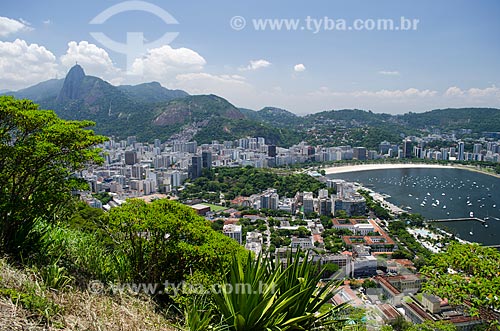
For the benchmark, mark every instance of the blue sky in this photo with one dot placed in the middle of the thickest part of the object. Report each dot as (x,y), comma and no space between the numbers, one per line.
(451,59)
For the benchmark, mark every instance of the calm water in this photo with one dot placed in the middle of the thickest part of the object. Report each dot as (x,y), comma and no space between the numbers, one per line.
(441,194)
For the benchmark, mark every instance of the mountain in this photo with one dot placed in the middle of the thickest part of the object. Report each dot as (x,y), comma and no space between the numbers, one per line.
(148,110)
(151,92)
(44,90)
(346,117)
(475,119)
(72,87)
(151,111)
(209,117)
(273,116)
(198,108)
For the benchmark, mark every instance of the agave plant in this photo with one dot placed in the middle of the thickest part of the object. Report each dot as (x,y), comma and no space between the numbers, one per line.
(262,295)
(199,316)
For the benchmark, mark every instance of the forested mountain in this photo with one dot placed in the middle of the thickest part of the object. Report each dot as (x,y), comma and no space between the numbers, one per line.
(44,90)
(274,116)
(476,119)
(151,92)
(151,111)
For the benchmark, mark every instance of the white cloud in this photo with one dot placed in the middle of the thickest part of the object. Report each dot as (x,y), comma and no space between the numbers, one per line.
(10,26)
(94,60)
(165,62)
(453,92)
(22,65)
(387,94)
(256,64)
(472,97)
(47,22)
(474,92)
(492,91)
(232,87)
(24,21)
(411,92)
(202,82)
(299,67)
(388,73)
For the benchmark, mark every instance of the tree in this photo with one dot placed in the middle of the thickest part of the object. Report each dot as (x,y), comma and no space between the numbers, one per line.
(38,154)
(165,240)
(330,269)
(433,326)
(466,273)
(369,283)
(401,324)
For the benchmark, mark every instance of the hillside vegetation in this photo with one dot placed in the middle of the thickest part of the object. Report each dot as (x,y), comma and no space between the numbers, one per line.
(141,266)
(151,111)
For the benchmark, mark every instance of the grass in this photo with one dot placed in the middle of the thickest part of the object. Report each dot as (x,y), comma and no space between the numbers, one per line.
(26,303)
(214,208)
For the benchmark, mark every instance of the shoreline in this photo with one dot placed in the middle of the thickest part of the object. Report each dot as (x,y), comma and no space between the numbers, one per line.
(387,166)
(381,166)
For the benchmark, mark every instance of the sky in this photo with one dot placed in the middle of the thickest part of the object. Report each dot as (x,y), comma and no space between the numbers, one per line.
(389,56)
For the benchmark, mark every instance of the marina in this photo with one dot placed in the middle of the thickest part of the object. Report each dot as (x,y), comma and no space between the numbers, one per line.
(458,201)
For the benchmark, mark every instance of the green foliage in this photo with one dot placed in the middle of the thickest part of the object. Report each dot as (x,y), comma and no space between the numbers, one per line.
(375,206)
(273,116)
(199,316)
(414,251)
(369,283)
(402,325)
(267,296)
(104,197)
(55,277)
(83,254)
(165,240)
(218,225)
(466,272)
(455,118)
(38,153)
(36,303)
(330,269)
(246,181)
(433,326)
(83,217)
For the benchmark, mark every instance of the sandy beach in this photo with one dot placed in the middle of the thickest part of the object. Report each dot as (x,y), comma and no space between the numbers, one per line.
(364,167)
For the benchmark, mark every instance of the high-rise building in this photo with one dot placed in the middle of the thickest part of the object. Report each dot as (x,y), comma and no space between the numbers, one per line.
(131,140)
(444,154)
(359,153)
(407,149)
(325,206)
(269,199)
(206,157)
(131,157)
(308,202)
(271,150)
(384,147)
(233,231)
(139,171)
(461,151)
(196,165)
(477,148)
(417,151)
